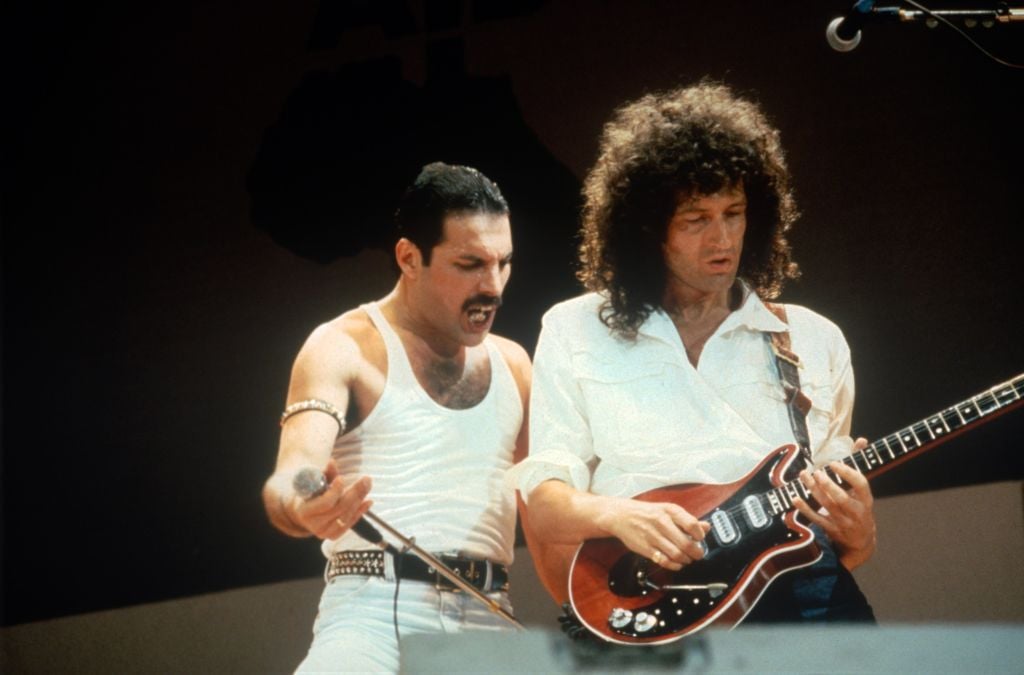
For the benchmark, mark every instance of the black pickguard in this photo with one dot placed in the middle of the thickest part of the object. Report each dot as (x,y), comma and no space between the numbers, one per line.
(671,611)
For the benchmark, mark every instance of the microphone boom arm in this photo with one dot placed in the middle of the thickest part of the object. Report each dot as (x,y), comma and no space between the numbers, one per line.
(1001,14)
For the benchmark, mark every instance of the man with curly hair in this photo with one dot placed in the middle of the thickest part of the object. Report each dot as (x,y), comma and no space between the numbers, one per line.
(664,373)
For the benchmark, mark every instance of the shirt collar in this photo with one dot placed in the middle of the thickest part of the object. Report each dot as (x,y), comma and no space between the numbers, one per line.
(751,315)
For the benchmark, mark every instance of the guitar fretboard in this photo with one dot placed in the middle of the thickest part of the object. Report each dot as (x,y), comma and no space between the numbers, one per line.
(911,440)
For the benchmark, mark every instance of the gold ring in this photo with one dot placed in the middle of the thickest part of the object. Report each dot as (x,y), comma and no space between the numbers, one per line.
(657,557)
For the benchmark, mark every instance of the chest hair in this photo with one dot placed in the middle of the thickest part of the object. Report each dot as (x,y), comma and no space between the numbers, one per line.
(456,385)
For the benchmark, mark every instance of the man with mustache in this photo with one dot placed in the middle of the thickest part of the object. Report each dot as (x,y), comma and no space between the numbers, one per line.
(665,374)
(409,405)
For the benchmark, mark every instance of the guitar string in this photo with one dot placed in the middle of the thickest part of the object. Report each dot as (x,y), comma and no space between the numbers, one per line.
(981,402)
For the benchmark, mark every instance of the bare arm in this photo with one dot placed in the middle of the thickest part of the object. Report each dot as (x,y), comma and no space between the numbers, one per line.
(324,369)
(567,515)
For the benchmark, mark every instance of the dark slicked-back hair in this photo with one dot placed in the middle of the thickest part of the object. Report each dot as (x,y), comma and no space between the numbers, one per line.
(441,190)
(679,144)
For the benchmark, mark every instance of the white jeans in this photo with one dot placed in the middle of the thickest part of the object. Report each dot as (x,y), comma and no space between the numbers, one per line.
(355,631)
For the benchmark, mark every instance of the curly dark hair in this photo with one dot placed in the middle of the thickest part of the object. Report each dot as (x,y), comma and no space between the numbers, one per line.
(691,141)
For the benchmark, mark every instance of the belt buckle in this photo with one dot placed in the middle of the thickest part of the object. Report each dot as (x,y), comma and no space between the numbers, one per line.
(441,582)
(481,574)
(471,577)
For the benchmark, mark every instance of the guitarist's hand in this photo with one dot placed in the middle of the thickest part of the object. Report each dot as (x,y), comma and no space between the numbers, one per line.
(848,514)
(664,532)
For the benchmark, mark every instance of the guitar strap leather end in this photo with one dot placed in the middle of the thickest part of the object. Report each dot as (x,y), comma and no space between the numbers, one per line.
(788,364)
(797,398)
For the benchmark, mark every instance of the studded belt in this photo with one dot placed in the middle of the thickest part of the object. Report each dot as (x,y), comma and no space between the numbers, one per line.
(482,574)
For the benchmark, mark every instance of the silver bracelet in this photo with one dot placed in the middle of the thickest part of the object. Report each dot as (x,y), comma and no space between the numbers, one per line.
(318,405)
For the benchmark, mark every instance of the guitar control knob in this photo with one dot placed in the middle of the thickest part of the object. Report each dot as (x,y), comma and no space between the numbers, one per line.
(620,618)
(644,622)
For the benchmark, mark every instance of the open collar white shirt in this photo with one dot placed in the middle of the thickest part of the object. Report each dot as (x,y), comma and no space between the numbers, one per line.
(620,417)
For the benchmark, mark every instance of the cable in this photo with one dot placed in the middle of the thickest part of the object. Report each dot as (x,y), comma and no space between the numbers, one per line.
(397,559)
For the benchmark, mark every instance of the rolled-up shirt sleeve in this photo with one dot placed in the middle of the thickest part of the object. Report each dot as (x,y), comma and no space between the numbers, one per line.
(561,445)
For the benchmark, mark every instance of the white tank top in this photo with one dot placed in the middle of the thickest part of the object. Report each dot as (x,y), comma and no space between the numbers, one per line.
(438,473)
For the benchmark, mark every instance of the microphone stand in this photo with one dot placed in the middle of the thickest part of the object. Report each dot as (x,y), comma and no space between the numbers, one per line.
(409,544)
(987,17)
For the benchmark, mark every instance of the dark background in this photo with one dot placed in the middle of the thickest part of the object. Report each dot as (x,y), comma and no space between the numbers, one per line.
(190,187)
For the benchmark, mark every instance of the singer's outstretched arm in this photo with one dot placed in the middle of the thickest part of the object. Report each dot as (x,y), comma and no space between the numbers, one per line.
(330,367)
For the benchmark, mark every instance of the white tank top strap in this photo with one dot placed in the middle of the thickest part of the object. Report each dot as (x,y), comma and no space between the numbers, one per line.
(399,369)
(400,372)
(499,367)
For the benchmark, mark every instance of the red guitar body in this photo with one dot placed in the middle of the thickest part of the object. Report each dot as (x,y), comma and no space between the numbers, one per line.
(608,583)
(755,536)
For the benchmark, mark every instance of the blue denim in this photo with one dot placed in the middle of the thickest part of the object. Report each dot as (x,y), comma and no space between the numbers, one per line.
(823,592)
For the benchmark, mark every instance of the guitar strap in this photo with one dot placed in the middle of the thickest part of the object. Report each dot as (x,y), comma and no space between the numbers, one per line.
(788,366)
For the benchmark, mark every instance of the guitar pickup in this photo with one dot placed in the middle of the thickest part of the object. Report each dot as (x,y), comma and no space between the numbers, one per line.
(754,513)
(724,529)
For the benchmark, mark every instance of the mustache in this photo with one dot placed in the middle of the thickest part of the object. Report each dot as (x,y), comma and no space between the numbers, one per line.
(492,301)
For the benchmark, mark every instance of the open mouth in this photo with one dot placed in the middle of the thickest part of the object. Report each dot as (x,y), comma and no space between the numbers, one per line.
(480,311)
(723,261)
(479,315)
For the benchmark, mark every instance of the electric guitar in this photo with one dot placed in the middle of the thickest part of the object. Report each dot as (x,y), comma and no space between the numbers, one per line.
(756,535)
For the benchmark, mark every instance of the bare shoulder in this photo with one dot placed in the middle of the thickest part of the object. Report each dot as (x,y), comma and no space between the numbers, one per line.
(337,347)
(515,356)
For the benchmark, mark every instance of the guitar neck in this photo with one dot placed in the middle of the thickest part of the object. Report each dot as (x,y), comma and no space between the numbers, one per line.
(887,452)
(911,441)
